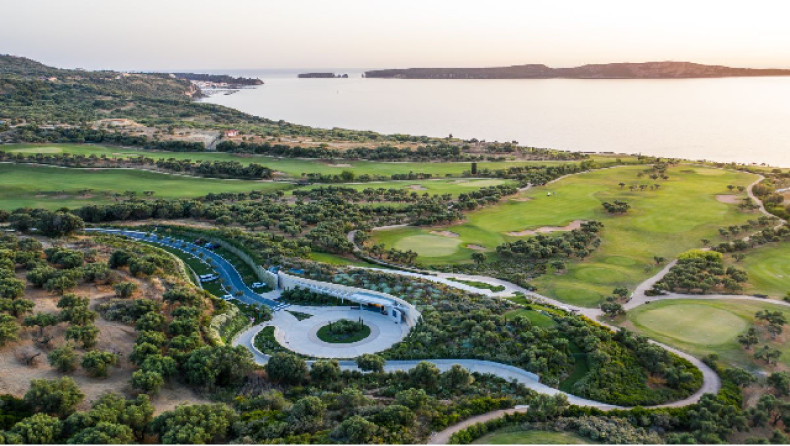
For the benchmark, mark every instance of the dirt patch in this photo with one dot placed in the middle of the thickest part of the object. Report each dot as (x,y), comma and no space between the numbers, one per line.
(522,199)
(576,224)
(114,337)
(477,247)
(417,187)
(339,165)
(729,199)
(445,233)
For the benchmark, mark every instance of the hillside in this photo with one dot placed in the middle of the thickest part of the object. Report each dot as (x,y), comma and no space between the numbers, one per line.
(647,70)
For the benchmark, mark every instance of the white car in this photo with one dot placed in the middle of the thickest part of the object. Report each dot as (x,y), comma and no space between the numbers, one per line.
(258,285)
(228,297)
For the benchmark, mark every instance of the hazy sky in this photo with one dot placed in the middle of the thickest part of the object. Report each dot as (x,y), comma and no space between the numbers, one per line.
(176,34)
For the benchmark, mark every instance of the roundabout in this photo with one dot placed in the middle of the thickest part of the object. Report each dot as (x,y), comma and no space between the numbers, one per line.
(302,336)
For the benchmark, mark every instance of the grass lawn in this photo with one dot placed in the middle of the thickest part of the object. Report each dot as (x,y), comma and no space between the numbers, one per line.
(53,187)
(432,187)
(702,327)
(292,167)
(333,259)
(663,222)
(531,437)
(538,319)
(768,267)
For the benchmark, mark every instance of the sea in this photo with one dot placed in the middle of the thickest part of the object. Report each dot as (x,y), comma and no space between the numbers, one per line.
(745,120)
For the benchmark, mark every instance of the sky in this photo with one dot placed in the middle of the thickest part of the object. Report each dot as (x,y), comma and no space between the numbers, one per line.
(246,34)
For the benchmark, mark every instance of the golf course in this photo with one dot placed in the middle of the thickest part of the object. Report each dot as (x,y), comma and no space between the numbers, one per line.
(54,187)
(702,327)
(652,227)
(768,268)
(294,167)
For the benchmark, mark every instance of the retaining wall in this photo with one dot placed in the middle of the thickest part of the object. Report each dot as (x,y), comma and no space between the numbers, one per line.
(410,314)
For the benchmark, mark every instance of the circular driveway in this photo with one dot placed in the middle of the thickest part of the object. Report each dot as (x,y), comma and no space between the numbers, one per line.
(300,336)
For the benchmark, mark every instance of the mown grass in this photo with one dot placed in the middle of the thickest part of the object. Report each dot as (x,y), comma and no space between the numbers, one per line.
(291,166)
(333,259)
(53,187)
(433,187)
(702,327)
(536,317)
(531,437)
(663,222)
(768,268)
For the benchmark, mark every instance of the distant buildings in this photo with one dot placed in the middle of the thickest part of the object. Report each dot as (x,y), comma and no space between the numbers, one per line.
(231,133)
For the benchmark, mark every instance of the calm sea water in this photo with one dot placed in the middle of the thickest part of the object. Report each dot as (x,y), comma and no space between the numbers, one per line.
(734,119)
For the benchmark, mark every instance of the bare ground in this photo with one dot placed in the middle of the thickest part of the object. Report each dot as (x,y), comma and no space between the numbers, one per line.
(576,224)
(729,199)
(445,233)
(114,337)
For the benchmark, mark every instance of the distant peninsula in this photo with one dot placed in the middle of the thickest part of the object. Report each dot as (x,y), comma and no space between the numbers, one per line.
(645,70)
(321,76)
(222,79)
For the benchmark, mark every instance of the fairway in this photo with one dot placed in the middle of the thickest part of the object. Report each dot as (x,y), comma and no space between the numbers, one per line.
(53,187)
(768,268)
(692,323)
(685,324)
(662,222)
(531,437)
(294,167)
(420,187)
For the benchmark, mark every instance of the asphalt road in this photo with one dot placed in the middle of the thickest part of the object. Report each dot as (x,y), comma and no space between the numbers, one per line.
(227,272)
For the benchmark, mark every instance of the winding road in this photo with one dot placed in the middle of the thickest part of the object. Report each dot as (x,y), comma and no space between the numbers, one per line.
(711,381)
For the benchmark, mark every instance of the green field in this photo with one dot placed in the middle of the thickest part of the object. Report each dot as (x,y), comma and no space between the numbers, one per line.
(53,187)
(290,166)
(538,319)
(333,259)
(702,327)
(664,222)
(768,268)
(443,186)
(531,437)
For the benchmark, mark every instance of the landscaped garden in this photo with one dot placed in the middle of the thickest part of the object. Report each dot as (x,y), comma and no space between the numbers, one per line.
(343,331)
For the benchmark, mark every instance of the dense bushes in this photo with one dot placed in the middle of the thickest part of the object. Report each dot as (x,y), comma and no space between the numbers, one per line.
(699,272)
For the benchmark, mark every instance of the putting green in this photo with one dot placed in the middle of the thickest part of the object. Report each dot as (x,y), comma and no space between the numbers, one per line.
(429,245)
(692,323)
(661,321)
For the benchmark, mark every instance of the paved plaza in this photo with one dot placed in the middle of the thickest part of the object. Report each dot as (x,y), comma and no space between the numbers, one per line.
(300,336)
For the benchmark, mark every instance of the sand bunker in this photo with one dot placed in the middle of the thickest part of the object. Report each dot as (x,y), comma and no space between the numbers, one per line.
(729,199)
(477,247)
(576,224)
(445,233)
(417,187)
